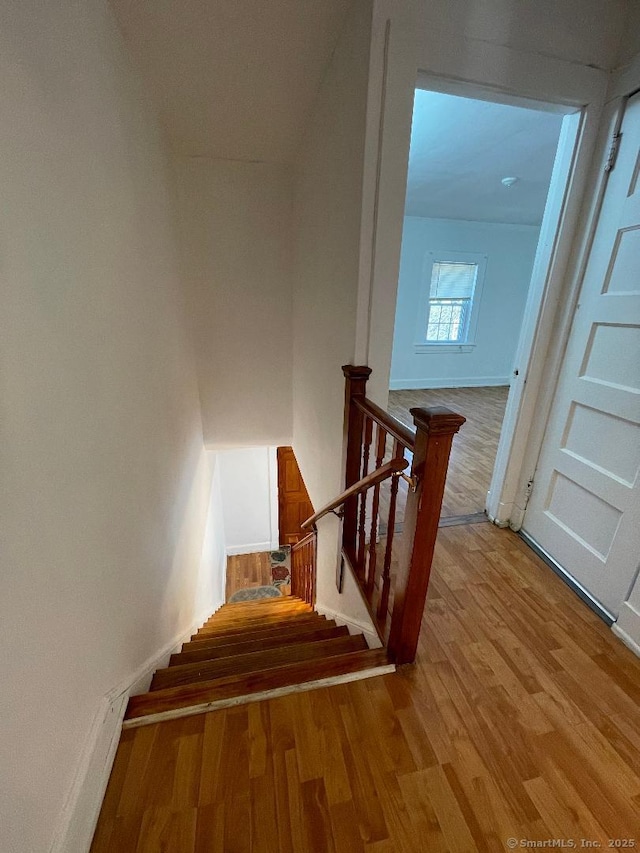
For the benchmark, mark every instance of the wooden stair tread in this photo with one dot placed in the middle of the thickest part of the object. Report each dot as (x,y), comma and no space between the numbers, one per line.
(265,603)
(245,626)
(244,609)
(222,650)
(251,619)
(228,639)
(255,661)
(234,686)
(256,616)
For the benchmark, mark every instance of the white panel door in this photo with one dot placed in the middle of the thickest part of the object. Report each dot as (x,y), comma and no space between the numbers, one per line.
(585,506)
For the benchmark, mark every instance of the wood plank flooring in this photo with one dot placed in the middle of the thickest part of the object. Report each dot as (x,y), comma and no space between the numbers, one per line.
(520,720)
(249,570)
(474,447)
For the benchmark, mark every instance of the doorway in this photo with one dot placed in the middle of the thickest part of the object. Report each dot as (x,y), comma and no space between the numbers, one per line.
(483,173)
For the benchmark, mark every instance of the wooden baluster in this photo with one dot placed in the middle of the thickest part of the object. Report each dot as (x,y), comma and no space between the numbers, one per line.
(368,432)
(295,589)
(355,386)
(314,562)
(303,568)
(381,443)
(383,604)
(305,571)
(435,428)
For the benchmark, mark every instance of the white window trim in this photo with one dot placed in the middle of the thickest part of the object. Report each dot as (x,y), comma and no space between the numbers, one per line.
(420,344)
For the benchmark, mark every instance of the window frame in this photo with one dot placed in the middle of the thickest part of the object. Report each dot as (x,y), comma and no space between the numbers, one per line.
(421,344)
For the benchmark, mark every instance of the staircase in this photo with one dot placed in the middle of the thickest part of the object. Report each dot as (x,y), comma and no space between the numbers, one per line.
(255,650)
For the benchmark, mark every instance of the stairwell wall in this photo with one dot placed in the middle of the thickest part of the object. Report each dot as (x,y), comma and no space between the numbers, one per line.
(235,234)
(510,251)
(106,487)
(327,217)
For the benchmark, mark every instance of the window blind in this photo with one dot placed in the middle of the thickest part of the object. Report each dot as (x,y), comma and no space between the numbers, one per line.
(452,280)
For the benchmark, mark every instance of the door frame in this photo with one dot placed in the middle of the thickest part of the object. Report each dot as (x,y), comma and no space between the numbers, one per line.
(512,485)
(520,476)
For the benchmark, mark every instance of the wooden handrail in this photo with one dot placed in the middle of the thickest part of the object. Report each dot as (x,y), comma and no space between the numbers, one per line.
(392,425)
(395,466)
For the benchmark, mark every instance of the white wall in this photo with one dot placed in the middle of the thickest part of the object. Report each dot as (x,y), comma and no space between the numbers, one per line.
(630,43)
(585,32)
(105,484)
(510,251)
(327,214)
(235,225)
(249,483)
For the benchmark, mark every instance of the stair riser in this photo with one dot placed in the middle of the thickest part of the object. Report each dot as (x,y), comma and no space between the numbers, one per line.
(255,662)
(254,626)
(255,646)
(274,693)
(243,685)
(266,634)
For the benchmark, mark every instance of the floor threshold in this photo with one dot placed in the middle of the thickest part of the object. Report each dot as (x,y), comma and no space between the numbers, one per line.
(455,520)
(232,701)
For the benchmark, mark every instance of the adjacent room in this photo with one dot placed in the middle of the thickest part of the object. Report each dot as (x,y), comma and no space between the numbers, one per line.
(478,181)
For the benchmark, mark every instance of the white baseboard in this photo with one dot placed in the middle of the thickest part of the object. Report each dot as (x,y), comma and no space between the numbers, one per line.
(80,812)
(251,548)
(355,627)
(79,815)
(462,382)
(627,627)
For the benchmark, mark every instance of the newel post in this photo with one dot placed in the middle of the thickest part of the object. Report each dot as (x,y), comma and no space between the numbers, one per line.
(435,428)
(355,387)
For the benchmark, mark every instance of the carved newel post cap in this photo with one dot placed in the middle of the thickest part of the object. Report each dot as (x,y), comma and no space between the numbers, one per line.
(356,372)
(437,420)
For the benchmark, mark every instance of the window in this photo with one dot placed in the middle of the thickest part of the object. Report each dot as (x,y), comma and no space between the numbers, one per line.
(451,290)
(450,298)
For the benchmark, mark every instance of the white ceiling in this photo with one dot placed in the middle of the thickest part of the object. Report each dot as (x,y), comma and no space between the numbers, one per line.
(234,79)
(462,148)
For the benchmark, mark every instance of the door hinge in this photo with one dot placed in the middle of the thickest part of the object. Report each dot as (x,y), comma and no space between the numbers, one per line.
(613,152)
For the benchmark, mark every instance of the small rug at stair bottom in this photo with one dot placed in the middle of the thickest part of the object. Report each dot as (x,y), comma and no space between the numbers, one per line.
(254,592)
(281,566)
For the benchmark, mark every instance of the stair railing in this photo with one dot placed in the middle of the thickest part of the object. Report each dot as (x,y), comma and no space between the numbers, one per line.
(392,572)
(303,568)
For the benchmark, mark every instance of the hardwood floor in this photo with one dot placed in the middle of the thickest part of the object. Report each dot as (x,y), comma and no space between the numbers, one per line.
(247,570)
(474,447)
(520,720)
